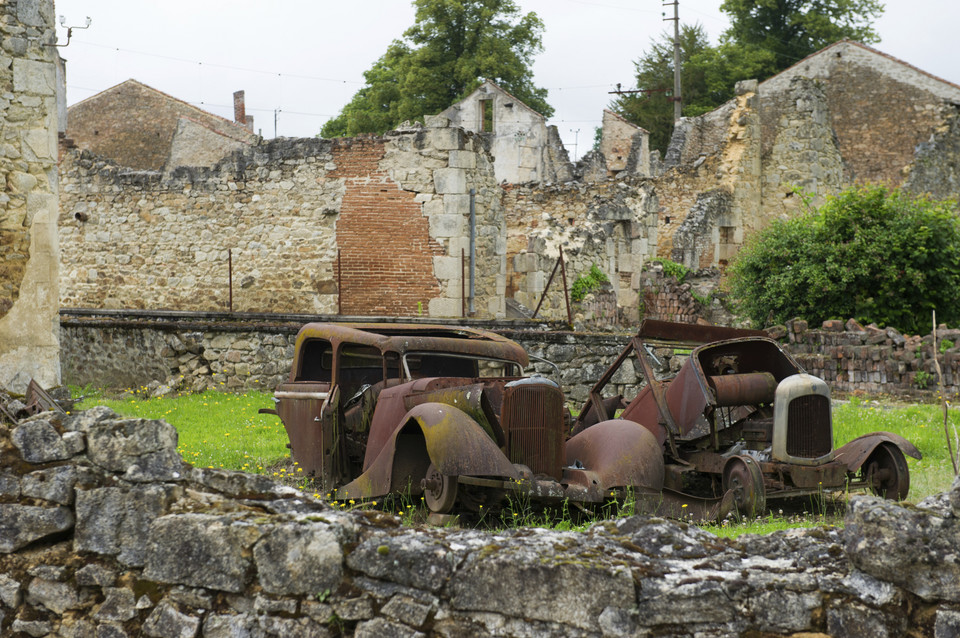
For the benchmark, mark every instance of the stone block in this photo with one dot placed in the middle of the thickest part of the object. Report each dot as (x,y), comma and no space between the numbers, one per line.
(450,180)
(298,558)
(463,159)
(32,77)
(445,226)
(142,449)
(54,484)
(444,307)
(166,622)
(457,204)
(24,524)
(39,442)
(446,267)
(177,544)
(447,139)
(55,596)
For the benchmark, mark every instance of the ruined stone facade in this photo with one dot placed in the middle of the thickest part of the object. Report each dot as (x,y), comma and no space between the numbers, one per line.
(139,127)
(397,207)
(388,218)
(29,323)
(524,148)
(847,114)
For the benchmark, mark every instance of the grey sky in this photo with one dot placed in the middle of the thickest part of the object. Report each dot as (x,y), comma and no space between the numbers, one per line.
(303,59)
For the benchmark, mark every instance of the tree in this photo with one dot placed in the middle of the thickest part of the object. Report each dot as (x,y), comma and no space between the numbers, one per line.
(765,37)
(793,29)
(451,48)
(869,253)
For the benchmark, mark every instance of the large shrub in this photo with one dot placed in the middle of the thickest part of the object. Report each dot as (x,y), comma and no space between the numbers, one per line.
(869,253)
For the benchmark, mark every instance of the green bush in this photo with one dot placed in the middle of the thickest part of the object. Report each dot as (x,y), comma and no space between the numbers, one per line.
(673,269)
(869,253)
(585,284)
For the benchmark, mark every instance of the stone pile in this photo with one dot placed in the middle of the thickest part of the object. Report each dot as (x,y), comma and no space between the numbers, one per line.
(105,531)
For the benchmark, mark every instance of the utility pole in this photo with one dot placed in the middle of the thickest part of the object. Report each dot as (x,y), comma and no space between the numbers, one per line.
(677,101)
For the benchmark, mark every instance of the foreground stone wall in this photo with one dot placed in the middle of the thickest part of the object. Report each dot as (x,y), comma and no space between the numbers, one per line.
(28,195)
(107,532)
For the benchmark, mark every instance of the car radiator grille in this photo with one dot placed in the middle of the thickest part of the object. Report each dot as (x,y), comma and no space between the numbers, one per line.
(809,433)
(532,419)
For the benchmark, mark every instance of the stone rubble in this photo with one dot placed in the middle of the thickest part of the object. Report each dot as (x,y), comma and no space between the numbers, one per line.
(117,539)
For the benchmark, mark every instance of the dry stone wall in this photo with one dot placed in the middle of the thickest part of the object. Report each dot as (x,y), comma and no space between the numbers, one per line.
(28,194)
(107,532)
(368,226)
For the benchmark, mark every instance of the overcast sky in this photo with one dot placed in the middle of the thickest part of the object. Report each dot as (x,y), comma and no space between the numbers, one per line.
(300,61)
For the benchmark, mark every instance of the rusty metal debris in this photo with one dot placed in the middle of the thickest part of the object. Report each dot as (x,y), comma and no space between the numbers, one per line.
(36,400)
(448,413)
(742,416)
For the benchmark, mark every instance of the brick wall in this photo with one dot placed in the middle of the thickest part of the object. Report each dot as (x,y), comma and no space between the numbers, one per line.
(382,235)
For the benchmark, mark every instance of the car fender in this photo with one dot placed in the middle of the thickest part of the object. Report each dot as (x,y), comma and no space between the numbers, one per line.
(430,433)
(855,453)
(621,452)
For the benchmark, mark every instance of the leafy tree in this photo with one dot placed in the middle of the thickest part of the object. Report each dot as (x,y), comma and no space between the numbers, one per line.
(793,29)
(869,253)
(446,54)
(765,37)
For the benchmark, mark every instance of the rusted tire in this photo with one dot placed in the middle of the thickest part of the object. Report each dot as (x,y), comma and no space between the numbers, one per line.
(887,470)
(439,491)
(742,475)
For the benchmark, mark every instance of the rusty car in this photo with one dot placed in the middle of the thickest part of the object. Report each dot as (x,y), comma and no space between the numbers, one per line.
(742,416)
(449,413)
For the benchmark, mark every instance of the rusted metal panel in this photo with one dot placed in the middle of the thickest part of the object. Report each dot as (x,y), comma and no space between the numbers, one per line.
(809,430)
(654,329)
(622,453)
(532,419)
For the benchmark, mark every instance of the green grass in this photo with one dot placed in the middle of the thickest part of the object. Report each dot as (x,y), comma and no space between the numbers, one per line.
(223,430)
(216,429)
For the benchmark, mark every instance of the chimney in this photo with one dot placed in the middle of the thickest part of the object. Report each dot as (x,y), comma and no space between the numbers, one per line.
(239,109)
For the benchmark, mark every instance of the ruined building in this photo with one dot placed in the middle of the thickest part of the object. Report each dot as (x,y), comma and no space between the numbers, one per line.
(29,320)
(483,193)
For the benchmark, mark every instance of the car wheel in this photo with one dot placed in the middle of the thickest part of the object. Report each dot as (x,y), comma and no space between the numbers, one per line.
(439,490)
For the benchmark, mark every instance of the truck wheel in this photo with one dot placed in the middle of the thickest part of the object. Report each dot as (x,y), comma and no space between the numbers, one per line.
(742,475)
(887,470)
(439,490)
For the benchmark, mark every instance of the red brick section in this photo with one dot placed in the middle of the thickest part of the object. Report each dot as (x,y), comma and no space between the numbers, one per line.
(385,246)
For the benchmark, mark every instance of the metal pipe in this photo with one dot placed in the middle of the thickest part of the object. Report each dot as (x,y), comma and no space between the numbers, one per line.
(339,286)
(463,283)
(473,246)
(230,275)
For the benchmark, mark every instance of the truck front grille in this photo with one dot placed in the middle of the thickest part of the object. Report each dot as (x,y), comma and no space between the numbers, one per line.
(532,420)
(809,433)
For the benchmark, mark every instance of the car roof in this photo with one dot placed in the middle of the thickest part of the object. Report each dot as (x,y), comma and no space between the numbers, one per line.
(402,338)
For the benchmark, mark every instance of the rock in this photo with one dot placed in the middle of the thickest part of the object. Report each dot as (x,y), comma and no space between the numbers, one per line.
(833,325)
(119,605)
(411,559)
(39,442)
(166,622)
(95,576)
(776,332)
(21,525)
(55,484)
(9,591)
(359,608)
(84,420)
(853,325)
(178,543)
(529,580)
(406,610)
(913,549)
(116,521)
(9,487)
(380,628)
(300,627)
(231,626)
(55,596)
(36,628)
(299,558)
(143,450)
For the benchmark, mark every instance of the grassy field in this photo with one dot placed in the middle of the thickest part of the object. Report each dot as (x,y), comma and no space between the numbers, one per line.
(224,430)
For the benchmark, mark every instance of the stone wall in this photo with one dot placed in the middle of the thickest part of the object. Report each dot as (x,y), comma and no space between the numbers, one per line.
(177,351)
(107,532)
(611,223)
(28,195)
(388,216)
